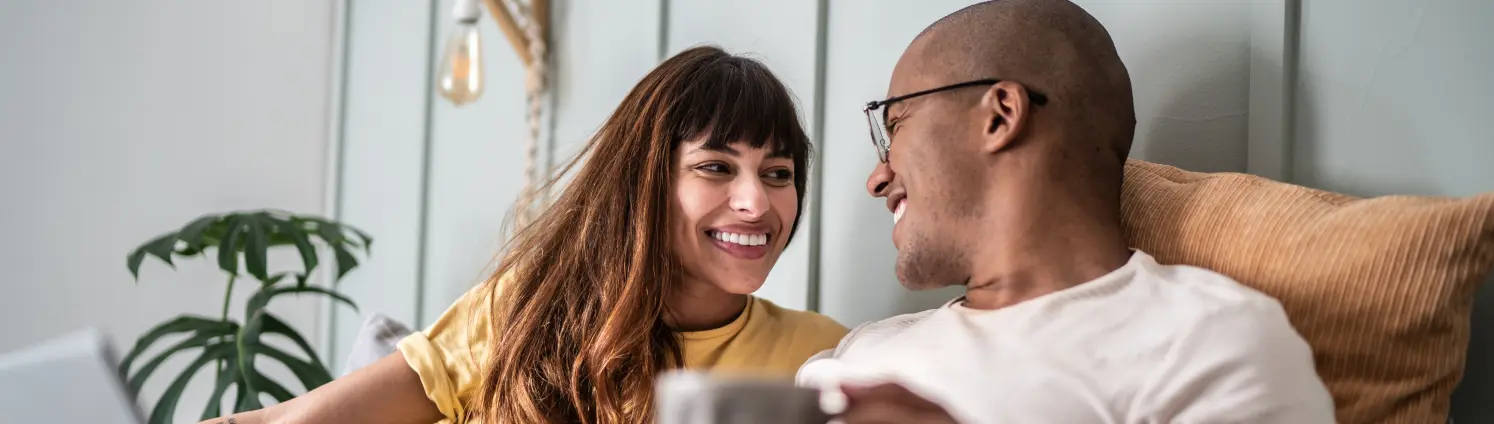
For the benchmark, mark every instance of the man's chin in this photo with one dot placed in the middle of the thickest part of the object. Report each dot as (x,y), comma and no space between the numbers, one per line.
(913,277)
(912,283)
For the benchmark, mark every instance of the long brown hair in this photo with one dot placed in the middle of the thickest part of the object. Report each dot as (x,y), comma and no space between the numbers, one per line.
(578,329)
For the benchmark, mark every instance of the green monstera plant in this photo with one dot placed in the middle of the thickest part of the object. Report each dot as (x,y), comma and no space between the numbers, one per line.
(233,347)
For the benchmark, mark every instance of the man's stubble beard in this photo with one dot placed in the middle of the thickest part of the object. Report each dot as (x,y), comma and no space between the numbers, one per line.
(927,262)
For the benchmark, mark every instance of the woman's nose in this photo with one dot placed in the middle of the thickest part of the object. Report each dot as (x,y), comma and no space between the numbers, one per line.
(749,198)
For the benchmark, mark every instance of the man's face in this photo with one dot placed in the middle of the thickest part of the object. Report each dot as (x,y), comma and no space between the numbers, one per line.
(930,179)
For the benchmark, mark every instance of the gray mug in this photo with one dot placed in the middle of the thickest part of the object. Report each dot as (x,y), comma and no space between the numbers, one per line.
(684,397)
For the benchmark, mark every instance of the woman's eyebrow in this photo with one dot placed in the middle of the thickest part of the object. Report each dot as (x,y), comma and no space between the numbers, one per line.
(727,149)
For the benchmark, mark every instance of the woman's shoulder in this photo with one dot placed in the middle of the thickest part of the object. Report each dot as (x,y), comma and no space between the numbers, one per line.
(800,324)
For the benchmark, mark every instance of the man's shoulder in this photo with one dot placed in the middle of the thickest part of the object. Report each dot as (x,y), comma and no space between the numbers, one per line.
(1158,310)
(1234,353)
(865,335)
(1205,291)
(883,329)
(1211,301)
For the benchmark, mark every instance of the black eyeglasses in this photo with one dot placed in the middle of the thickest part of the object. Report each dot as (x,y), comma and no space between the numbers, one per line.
(878,122)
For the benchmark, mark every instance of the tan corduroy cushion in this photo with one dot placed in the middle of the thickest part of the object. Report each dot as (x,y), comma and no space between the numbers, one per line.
(1380,287)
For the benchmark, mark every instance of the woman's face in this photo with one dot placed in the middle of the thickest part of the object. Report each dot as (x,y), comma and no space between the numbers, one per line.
(733,210)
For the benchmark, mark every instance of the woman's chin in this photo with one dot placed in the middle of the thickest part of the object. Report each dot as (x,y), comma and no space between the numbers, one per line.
(740,287)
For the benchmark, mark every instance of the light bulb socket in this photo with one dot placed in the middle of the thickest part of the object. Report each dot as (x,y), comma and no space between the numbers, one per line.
(466,11)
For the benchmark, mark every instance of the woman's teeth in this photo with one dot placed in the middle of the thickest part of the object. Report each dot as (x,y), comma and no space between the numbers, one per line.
(897,214)
(742,239)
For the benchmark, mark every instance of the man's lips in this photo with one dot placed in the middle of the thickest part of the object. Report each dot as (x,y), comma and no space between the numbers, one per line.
(897,211)
(895,198)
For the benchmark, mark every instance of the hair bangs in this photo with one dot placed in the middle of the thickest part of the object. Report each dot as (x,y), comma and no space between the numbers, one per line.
(737,100)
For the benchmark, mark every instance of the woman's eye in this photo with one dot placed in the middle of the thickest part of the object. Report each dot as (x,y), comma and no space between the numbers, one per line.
(780,175)
(715,168)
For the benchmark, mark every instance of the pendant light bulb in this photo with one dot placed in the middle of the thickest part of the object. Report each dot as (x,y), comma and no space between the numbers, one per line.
(461,72)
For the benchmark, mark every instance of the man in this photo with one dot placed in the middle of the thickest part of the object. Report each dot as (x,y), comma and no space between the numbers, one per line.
(1002,150)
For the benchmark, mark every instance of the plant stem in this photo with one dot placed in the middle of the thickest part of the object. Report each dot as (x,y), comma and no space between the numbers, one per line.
(228,296)
(227,299)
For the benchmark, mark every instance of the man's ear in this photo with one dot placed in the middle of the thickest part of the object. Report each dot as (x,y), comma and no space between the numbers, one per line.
(1005,108)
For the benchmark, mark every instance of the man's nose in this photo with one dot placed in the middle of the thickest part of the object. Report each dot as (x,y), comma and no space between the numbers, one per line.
(881,178)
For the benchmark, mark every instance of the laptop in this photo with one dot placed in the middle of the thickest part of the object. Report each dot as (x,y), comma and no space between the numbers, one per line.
(70,379)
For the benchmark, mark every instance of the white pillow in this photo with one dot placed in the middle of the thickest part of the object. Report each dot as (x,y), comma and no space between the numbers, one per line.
(378,338)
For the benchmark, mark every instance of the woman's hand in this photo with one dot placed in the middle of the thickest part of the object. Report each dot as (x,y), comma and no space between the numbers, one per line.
(890,403)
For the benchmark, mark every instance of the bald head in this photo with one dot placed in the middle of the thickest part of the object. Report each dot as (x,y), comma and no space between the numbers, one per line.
(1052,47)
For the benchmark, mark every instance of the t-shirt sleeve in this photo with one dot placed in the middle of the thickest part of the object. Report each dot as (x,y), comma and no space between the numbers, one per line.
(448,355)
(830,352)
(1242,365)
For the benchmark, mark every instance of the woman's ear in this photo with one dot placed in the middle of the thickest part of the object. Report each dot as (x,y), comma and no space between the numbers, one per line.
(1004,108)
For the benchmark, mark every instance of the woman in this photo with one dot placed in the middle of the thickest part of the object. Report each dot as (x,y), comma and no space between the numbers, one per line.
(687,196)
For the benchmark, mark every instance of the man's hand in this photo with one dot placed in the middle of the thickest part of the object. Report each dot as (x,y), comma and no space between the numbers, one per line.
(890,403)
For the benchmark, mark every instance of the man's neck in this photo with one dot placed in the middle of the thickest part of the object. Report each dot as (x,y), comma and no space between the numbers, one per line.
(1036,243)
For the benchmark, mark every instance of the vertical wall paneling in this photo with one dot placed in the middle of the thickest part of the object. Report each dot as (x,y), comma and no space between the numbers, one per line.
(817,183)
(1273,65)
(332,204)
(781,33)
(382,159)
(663,39)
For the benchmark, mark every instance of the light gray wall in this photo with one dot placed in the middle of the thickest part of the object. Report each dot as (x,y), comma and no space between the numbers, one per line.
(121,120)
(1396,98)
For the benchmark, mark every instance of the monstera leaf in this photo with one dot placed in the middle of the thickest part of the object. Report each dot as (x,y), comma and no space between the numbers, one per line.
(251,235)
(231,348)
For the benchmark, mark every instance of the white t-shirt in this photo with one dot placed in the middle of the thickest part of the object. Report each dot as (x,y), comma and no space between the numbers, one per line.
(1147,343)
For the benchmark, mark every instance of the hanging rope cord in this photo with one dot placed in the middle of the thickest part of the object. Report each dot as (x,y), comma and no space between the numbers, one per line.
(531,201)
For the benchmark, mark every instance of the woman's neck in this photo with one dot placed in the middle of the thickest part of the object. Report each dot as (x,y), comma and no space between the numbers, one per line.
(699,306)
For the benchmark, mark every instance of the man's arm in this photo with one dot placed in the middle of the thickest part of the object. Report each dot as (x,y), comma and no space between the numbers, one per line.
(1246,364)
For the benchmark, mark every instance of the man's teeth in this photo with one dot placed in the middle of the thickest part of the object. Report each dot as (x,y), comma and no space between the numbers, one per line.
(742,239)
(897,214)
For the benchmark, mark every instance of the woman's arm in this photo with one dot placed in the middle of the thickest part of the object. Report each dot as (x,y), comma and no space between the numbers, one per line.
(387,391)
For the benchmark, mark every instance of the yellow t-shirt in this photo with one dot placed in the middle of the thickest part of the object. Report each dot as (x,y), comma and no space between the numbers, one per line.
(764,340)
